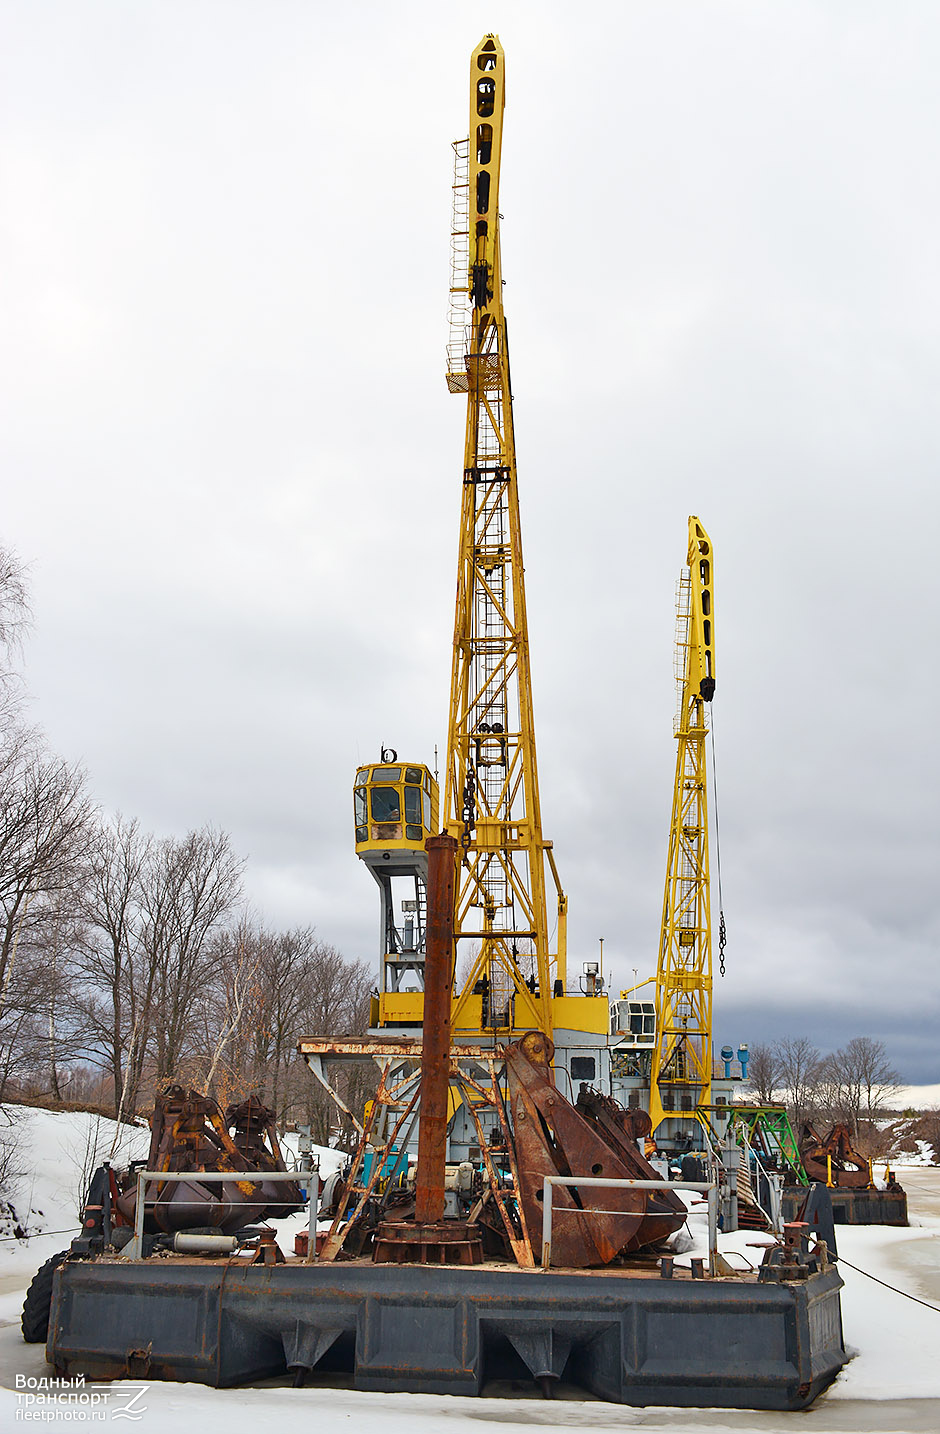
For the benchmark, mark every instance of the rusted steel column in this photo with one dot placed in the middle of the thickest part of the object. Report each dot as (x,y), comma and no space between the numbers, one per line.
(435,1059)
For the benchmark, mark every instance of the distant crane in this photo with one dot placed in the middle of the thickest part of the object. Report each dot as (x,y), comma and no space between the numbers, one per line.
(682,1055)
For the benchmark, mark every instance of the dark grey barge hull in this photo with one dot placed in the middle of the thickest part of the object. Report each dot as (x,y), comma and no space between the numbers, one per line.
(853,1207)
(628,1339)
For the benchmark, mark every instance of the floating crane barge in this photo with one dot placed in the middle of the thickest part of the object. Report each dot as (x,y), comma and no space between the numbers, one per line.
(528,1238)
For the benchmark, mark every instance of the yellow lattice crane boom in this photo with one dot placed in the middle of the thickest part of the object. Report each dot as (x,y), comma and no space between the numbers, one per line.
(506,974)
(682,1056)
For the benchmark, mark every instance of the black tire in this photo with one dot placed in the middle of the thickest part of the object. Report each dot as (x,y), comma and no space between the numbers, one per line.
(38,1302)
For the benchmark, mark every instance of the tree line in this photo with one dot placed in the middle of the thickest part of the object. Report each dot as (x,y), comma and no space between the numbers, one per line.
(852,1086)
(128,960)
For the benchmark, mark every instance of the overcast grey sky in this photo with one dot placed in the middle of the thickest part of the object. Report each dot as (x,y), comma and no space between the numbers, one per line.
(233,465)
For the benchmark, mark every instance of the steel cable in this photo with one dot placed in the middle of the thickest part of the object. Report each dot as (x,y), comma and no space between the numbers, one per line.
(722,935)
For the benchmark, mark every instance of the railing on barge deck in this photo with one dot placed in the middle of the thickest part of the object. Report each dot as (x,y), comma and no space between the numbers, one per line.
(550,1181)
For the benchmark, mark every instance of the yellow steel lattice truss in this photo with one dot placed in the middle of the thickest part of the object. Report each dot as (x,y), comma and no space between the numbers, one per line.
(505,972)
(682,1059)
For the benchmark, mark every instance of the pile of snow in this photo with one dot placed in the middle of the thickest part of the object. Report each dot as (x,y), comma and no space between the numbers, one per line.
(56,1152)
(325,1158)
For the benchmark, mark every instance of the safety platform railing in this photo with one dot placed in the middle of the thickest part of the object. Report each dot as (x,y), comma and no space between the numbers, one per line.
(133,1250)
(550,1181)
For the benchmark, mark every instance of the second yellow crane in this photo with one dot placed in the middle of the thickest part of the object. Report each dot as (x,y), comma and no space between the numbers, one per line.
(681,1073)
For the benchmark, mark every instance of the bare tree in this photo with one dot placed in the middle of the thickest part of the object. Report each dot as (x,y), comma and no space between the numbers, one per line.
(45,826)
(23,1043)
(45,821)
(285,991)
(238,959)
(338,1004)
(12,1155)
(271,988)
(117,990)
(798,1063)
(763,1072)
(191,887)
(857,1082)
(14,623)
(878,1080)
(14,602)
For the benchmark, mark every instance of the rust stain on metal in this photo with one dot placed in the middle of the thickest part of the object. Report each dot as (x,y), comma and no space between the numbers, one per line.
(334,1240)
(511,1152)
(517,1236)
(337,1236)
(829,1158)
(553,1138)
(190,1132)
(621,1129)
(436,1055)
(363,1046)
(450,1242)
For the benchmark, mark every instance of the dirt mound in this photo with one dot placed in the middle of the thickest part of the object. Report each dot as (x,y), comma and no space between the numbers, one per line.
(915,1138)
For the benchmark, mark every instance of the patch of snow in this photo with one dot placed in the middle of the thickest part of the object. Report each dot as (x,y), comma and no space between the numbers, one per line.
(327,1159)
(910,1159)
(59,1150)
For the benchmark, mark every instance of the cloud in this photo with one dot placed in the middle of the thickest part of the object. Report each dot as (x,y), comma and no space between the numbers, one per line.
(236,470)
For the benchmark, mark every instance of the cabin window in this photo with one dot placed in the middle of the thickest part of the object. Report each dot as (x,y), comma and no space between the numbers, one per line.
(386,805)
(359,800)
(387,774)
(413,805)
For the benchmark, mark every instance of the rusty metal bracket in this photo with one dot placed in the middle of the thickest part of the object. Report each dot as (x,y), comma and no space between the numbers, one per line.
(521,1248)
(511,1151)
(315,1067)
(336,1238)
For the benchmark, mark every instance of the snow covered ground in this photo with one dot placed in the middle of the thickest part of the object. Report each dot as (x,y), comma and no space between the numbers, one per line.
(892,1383)
(57,1151)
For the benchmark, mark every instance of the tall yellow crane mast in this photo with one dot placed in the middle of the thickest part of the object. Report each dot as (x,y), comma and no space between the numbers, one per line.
(682,1055)
(491,801)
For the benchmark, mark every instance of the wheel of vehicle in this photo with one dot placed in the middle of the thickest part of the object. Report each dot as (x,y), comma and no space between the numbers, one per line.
(38,1302)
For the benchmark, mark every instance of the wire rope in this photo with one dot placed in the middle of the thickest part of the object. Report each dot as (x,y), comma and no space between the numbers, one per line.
(917,1300)
(722,933)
